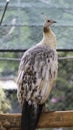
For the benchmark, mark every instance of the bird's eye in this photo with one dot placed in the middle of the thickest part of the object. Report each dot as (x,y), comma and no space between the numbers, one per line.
(48,20)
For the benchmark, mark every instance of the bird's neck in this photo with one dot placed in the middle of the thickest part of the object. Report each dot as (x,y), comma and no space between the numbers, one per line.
(49,39)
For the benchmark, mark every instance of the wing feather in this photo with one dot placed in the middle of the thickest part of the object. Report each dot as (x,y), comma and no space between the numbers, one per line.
(37,71)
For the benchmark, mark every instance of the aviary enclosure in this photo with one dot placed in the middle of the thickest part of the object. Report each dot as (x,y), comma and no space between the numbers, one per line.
(21,24)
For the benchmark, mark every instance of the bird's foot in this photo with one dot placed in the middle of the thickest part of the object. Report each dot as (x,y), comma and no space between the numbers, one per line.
(45,108)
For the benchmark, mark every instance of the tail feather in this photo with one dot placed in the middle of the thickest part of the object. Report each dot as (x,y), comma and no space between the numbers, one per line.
(30,116)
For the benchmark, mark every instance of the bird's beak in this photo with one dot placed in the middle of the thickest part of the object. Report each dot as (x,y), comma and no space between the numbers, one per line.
(52,21)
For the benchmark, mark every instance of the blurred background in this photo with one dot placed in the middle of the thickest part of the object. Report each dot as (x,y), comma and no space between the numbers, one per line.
(20,29)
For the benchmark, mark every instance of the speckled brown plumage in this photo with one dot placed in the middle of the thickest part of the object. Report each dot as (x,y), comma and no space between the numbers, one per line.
(36,76)
(36,71)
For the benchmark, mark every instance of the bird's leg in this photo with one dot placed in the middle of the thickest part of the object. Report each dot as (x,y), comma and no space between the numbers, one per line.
(45,107)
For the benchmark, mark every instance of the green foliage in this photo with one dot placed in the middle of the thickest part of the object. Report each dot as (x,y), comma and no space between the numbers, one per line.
(4,102)
(62,94)
(6,67)
(61,97)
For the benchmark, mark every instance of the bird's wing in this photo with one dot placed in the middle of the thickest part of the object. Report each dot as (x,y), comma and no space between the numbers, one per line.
(37,71)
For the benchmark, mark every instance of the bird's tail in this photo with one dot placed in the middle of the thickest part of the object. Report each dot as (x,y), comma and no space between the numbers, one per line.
(30,116)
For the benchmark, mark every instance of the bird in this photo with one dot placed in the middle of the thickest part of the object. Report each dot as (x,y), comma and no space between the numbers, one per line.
(37,74)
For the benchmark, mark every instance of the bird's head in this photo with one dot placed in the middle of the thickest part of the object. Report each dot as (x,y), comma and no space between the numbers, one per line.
(47,24)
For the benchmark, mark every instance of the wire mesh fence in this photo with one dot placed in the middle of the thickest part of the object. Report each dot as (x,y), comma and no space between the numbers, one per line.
(21,27)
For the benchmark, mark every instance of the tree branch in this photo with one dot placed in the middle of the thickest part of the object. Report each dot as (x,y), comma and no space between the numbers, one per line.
(48,120)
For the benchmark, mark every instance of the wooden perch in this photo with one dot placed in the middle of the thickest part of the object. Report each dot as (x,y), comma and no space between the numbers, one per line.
(48,119)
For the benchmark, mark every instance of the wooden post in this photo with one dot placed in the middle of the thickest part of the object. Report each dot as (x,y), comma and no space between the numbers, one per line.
(47,120)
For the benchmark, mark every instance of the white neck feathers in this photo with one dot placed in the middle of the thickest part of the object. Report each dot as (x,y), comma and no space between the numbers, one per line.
(49,39)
